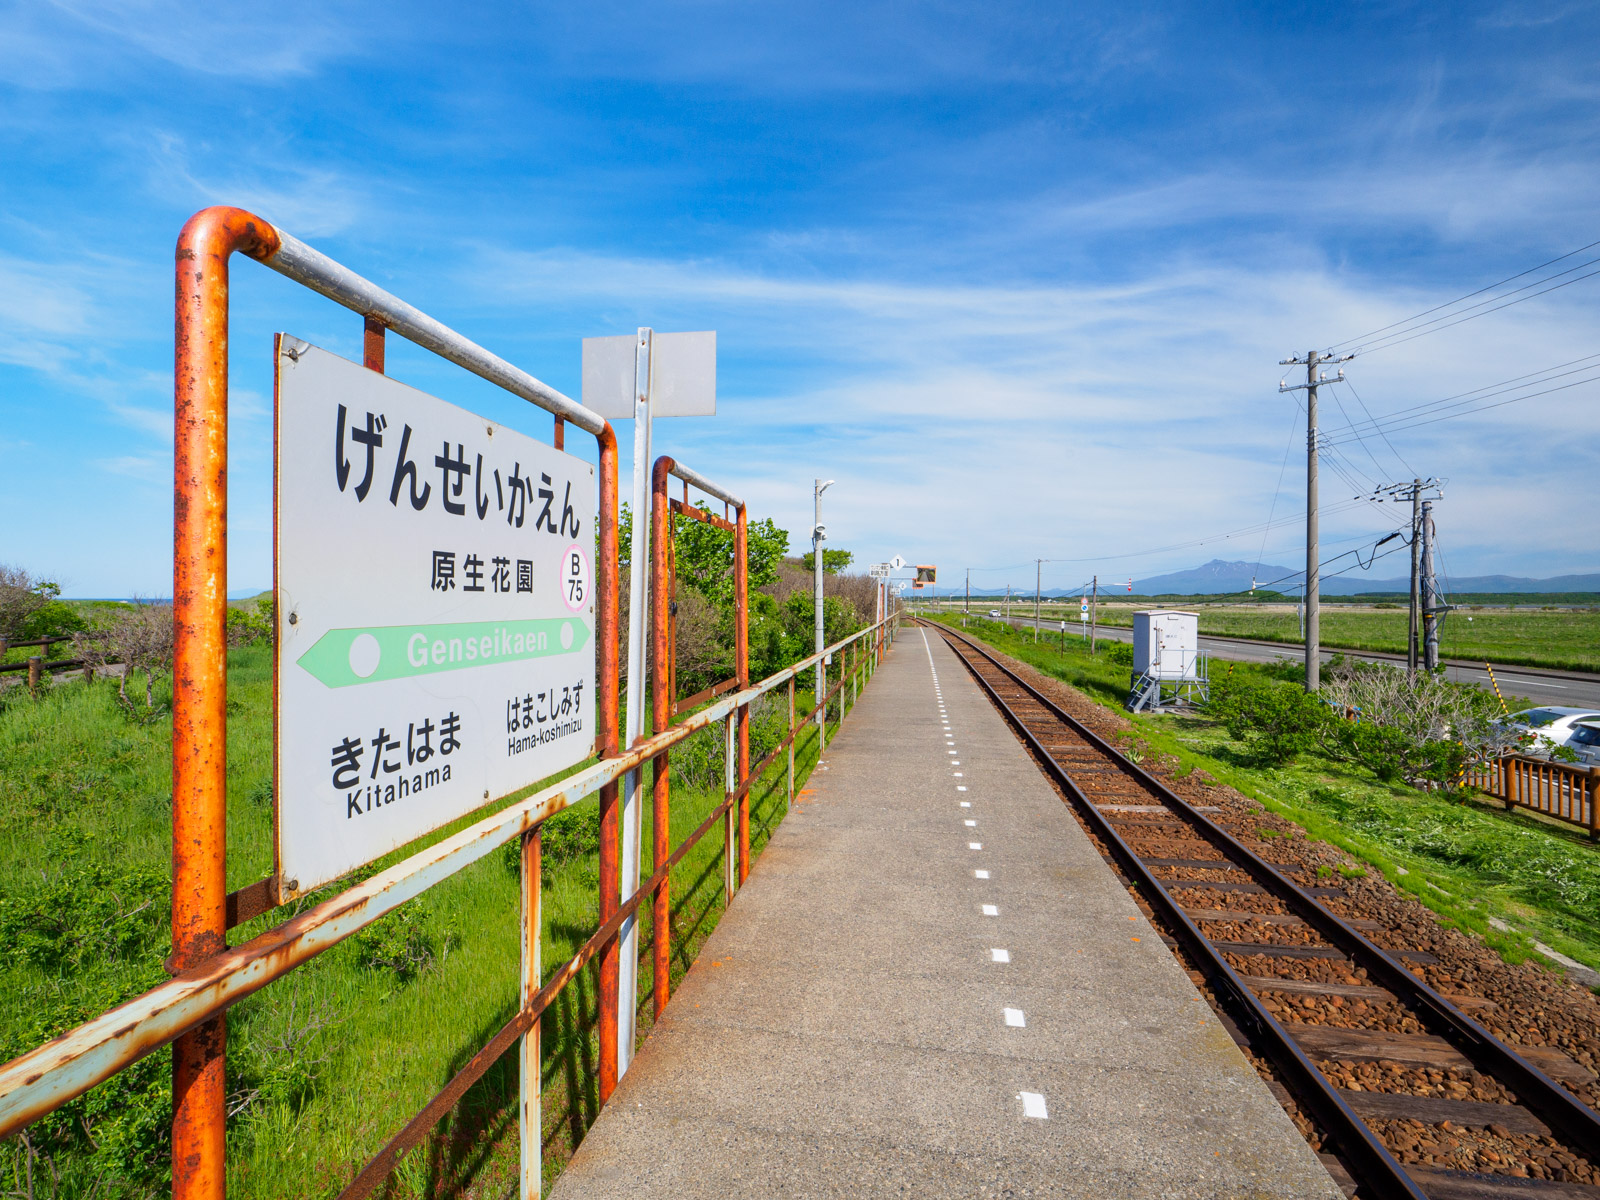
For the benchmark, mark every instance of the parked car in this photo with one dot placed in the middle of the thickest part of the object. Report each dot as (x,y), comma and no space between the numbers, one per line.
(994,613)
(1585,741)
(1550,727)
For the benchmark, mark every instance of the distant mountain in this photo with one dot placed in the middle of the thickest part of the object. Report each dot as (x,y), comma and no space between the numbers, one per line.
(1213,578)
(1217,577)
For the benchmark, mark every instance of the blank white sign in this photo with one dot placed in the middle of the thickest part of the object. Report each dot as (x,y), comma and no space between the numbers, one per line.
(683,372)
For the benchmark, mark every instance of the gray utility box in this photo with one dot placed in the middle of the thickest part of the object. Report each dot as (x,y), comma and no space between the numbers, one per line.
(1166,644)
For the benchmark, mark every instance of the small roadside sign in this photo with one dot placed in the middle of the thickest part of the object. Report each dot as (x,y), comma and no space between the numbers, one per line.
(435,599)
(897,563)
(879,570)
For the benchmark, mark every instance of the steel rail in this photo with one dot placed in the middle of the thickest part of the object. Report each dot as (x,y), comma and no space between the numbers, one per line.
(1563,1112)
(69,1065)
(1373,1165)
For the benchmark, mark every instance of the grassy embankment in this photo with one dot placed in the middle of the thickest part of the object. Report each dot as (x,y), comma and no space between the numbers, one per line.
(328,1063)
(1464,858)
(1556,639)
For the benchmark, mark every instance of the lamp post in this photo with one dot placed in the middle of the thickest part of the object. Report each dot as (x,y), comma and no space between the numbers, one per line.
(819,534)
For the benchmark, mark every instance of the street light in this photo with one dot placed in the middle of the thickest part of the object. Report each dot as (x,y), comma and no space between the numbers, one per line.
(819,534)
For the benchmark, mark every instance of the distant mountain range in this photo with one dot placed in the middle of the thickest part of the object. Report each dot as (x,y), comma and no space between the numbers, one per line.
(1217,576)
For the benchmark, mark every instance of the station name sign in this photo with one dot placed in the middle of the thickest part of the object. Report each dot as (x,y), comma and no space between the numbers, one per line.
(434,581)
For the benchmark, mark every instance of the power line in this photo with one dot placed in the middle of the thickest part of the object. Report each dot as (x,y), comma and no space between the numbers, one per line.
(1424,419)
(1452,303)
(1387,344)
(1284,466)
(1386,440)
(1351,424)
(1463,399)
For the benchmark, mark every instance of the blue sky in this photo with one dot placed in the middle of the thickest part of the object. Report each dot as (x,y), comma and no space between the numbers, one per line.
(1017,276)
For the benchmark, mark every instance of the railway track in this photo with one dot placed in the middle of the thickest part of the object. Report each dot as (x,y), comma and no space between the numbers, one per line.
(1273,949)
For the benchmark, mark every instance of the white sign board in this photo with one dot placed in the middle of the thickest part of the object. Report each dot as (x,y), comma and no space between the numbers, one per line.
(897,562)
(683,375)
(435,600)
(879,570)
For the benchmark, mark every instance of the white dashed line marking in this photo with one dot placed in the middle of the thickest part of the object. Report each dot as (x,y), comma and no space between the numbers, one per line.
(1033,1106)
(1015,1019)
(989,910)
(981,874)
(958,774)
(999,955)
(961,787)
(970,824)
(974,845)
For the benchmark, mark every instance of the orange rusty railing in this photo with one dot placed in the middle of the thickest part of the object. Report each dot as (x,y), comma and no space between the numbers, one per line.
(209,977)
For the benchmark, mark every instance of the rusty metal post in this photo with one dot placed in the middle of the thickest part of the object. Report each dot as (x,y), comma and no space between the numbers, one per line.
(790,732)
(741,668)
(200,681)
(559,439)
(730,833)
(372,334)
(661,699)
(35,672)
(606,597)
(532,1075)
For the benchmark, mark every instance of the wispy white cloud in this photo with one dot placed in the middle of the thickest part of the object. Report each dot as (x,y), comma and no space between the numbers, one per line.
(946,405)
(292,39)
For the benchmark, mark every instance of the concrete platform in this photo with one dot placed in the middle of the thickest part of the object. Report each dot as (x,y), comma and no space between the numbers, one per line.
(848,1030)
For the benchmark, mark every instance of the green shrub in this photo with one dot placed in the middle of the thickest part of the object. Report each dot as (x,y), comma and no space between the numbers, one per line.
(1275,722)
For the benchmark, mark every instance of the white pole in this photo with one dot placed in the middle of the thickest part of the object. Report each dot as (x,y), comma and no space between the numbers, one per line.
(638,619)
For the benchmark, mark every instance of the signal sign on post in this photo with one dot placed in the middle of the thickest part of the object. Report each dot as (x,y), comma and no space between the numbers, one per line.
(926,577)
(435,588)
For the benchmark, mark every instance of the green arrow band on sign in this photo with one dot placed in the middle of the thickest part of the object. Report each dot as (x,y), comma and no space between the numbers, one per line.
(345,657)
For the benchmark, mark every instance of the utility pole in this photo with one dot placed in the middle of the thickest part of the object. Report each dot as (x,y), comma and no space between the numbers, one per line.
(1416,549)
(1430,594)
(967,608)
(1094,613)
(1314,379)
(1414,618)
(1008,602)
(1038,571)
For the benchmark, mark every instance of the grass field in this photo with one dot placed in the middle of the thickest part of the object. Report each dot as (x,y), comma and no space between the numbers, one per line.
(1561,640)
(1466,860)
(327,1064)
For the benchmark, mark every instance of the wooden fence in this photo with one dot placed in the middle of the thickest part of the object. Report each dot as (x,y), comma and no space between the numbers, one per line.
(1565,791)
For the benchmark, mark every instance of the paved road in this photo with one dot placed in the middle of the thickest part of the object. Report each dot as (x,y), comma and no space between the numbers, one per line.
(914,998)
(1570,689)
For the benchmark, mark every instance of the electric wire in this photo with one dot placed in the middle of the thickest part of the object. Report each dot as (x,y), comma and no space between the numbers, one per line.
(1407,321)
(1385,436)
(1423,419)
(1294,423)
(1472,316)
(1338,403)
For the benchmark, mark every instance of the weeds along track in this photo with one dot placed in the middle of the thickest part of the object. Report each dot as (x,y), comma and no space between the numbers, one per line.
(1400,1087)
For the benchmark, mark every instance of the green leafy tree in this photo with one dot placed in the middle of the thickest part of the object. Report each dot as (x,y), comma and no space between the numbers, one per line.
(833,561)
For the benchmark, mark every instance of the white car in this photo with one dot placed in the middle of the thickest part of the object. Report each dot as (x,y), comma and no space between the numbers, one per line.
(1551,727)
(995,613)
(1585,740)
